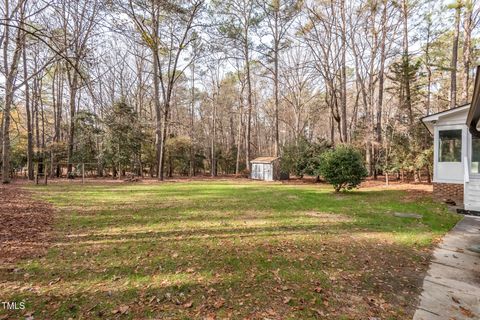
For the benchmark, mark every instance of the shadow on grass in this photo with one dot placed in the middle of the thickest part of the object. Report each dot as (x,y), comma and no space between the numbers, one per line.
(92,286)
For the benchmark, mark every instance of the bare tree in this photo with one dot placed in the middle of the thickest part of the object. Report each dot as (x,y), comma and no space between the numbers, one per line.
(457,6)
(240,18)
(470,21)
(325,35)
(167,41)
(279,17)
(78,20)
(14,12)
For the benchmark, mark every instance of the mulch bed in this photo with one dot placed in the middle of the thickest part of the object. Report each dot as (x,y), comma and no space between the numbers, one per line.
(25,225)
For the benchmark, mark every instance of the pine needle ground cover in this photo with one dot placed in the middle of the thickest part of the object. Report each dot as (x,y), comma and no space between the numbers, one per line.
(227,250)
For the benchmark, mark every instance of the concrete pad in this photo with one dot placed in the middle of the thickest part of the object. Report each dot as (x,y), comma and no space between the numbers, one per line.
(457,260)
(451,289)
(450,276)
(427,315)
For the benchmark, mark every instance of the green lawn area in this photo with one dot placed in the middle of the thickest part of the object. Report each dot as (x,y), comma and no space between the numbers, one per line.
(220,249)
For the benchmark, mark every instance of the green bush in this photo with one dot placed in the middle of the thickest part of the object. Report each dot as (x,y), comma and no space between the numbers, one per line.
(343,168)
(303,157)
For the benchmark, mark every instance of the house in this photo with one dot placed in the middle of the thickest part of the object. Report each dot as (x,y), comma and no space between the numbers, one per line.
(265,168)
(456,171)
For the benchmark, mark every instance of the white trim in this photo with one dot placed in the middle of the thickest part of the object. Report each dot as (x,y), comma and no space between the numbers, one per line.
(435,116)
(466,173)
(448,181)
(472,175)
(443,118)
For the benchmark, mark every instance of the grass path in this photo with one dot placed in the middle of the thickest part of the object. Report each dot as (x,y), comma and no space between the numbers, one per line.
(228,250)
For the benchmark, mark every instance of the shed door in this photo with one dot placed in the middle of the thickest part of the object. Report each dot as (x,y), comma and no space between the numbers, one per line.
(268,172)
(260,171)
(257,171)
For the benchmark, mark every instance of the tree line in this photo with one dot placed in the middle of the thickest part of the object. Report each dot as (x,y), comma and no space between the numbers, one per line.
(168,87)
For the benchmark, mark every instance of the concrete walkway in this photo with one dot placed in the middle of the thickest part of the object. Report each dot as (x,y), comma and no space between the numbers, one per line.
(451,288)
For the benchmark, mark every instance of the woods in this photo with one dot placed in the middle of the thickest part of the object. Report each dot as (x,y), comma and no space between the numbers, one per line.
(163,88)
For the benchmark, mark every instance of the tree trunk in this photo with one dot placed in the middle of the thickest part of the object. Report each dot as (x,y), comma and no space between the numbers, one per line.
(158,109)
(240,126)
(453,65)
(406,64)
(10,72)
(250,107)
(381,81)
(71,133)
(276,88)
(30,168)
(191,171)
(214,132)
(467,51)
(166,109)
(343,102)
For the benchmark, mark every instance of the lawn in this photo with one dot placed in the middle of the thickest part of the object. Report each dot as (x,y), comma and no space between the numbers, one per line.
(221,249)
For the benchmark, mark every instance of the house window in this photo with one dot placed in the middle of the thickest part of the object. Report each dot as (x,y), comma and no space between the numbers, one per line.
(475,167)
(450,146)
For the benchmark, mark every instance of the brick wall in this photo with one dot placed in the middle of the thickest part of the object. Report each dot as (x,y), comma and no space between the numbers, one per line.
(443,191)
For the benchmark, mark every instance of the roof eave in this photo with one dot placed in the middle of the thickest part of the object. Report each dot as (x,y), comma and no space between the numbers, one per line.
(430,120)
(473,117)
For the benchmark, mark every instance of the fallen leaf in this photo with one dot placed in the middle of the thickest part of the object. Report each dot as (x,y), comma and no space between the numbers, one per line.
(219,303)
(287,299)
(466,312)
(318,312)
(188,304)
(271,312)
(54,281)
(123,309)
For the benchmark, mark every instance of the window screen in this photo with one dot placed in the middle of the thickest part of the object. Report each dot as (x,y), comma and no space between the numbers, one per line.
(450,146)
(475,155)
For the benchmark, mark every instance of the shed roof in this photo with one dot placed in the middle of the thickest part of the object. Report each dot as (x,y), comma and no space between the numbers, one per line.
(264,159)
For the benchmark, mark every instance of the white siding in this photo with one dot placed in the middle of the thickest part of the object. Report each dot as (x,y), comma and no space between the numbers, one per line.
(262,171)
(472,195)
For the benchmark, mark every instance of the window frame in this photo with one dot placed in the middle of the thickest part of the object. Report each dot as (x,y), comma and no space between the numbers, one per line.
(439,156)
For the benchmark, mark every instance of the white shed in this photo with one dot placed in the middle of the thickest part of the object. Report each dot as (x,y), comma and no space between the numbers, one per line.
(265,168)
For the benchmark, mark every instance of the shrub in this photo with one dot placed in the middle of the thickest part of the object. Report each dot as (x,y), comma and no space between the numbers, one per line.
(343,168)
(303,157)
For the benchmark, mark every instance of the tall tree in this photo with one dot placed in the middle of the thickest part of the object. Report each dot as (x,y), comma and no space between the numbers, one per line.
(78,22)
(239,19)
(279,16)
(168,32)
(325,34)
(457,6)
(14,13)
(470,20)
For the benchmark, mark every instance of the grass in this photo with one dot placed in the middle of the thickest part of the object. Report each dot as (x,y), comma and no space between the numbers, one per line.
(228,250)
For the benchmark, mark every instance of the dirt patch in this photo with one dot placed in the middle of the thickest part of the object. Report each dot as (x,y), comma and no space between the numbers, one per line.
(25,227)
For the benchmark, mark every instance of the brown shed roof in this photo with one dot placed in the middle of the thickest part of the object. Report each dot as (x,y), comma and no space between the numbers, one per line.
(264,159)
